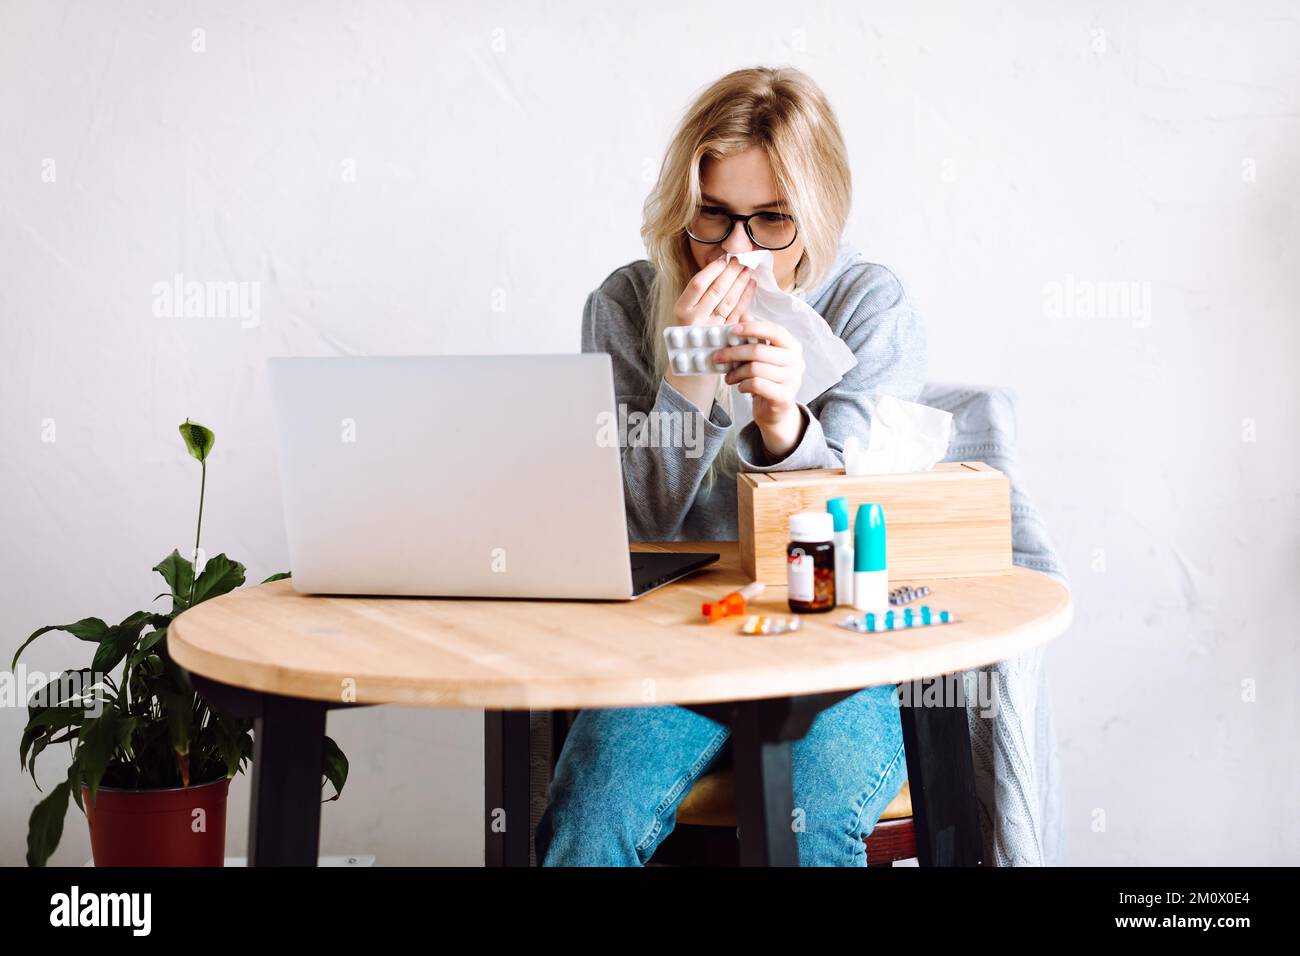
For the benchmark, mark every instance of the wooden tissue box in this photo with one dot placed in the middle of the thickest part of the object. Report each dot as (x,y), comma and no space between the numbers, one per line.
(952,521)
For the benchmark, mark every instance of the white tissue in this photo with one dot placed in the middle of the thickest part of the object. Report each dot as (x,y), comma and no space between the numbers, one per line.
(826,357)
(904,437)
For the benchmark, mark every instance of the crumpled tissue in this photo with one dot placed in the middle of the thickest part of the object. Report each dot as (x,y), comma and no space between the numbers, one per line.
(904,437)
(826,356)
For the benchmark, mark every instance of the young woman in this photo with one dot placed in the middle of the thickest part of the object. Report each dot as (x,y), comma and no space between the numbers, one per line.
(758,162)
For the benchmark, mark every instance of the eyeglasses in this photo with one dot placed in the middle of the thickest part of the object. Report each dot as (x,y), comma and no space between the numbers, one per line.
(767,230)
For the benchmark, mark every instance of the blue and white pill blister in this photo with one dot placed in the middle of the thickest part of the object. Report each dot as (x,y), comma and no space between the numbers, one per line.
(871,624)
(691,347)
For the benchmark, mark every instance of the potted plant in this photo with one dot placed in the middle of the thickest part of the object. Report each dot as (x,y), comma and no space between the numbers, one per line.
(151,760)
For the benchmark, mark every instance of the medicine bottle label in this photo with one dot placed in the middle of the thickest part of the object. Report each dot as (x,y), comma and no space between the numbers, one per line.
(799,576)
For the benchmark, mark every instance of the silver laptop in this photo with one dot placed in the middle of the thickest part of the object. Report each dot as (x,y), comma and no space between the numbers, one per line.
(466,476)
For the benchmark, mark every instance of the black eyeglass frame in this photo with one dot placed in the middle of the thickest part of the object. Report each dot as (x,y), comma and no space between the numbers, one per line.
(744,220)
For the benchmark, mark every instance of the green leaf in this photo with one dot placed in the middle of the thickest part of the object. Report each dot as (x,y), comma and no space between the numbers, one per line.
(198,440)
(233,741)
(152,638)
(54,706)
(178,710)
(87,629)
(52,719)
(98,744)
(334,767)
(125,730)
(118,642)
(282,575)
(38,742)
(178,572)
(45,826)
(137,620)
(60,691)
(220,576)
(147,643)
(34,740)
(112,650)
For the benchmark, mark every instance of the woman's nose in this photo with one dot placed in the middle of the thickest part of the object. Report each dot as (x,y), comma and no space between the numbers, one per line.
(738,241)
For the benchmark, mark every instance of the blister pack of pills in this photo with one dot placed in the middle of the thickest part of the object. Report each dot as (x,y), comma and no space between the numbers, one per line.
(908,594)
(769,624)
(890,621)
(690,347)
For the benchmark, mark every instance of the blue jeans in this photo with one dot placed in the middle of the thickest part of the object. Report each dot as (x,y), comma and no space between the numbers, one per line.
(623,772)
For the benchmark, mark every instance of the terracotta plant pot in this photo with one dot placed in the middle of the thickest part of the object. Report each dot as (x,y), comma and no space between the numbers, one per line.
(159,827)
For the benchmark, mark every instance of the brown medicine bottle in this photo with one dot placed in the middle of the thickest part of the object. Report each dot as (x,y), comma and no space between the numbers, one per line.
(810,562)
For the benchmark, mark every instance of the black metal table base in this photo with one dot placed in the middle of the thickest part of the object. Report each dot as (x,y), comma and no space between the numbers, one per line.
(284,821)
(505,787)
(761,734)
(288,749)
(936,740)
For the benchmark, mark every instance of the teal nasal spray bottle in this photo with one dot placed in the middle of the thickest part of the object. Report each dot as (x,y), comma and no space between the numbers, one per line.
(870,576)
(839,509)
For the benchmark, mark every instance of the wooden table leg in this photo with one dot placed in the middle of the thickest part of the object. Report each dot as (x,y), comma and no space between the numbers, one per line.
(762,733)
(936,739)
(505,787)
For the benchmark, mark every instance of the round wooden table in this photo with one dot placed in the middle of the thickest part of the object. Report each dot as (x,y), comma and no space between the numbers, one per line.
(284,659)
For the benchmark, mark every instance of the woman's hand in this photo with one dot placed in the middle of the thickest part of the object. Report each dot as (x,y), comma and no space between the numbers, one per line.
(718,294)
(771,374)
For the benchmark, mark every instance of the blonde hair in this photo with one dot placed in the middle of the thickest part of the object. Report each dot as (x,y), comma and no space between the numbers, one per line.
(784,113)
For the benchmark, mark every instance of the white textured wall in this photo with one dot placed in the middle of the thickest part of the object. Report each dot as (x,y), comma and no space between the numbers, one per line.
(501,155)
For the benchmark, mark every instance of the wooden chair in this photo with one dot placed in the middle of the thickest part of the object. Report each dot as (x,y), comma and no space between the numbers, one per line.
(705,832)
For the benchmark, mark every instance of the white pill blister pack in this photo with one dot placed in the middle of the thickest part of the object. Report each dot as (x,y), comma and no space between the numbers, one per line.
(690,347)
